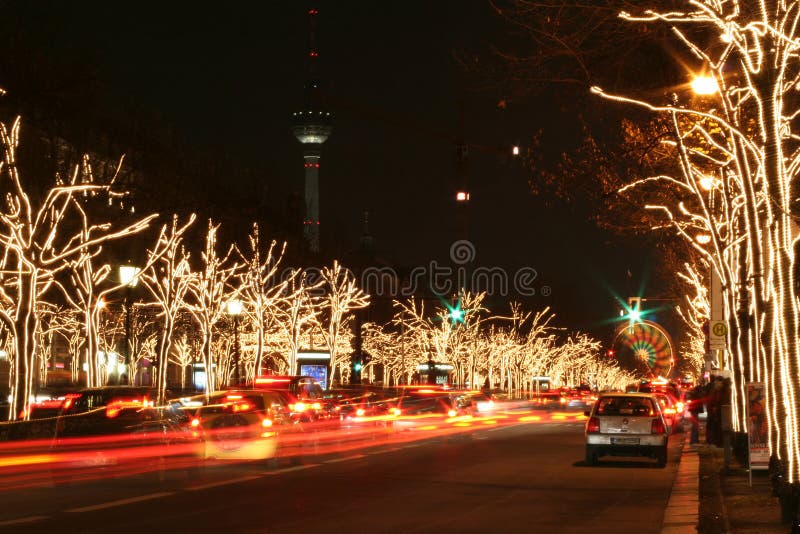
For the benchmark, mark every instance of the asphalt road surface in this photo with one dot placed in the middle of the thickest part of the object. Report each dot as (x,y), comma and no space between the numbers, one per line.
(521,478)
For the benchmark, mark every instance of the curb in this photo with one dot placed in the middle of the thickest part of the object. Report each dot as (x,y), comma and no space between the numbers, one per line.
(683,509)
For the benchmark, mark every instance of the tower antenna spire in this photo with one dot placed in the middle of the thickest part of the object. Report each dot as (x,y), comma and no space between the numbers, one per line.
(312,126)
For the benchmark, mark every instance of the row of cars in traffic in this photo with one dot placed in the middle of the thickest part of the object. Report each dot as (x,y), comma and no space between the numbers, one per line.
(275,416)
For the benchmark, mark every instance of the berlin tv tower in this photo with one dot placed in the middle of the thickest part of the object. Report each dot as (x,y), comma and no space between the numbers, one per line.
(312,126)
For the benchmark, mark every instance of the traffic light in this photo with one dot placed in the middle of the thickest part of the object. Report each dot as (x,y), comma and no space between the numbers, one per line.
(356,365)
(633,311)
(456,313)
(610,353)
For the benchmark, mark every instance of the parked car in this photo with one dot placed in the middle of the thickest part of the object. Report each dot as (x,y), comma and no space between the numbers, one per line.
(626,424)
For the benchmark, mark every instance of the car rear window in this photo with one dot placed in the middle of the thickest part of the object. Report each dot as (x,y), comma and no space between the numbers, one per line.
(625,406)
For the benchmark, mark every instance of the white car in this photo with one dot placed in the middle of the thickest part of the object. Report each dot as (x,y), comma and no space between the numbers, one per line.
(626,424)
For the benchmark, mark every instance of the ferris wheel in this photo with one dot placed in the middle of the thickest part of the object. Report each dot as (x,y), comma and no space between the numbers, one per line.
(646,347)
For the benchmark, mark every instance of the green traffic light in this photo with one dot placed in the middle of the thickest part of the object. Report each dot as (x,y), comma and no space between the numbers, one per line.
(357,366)
(456,313)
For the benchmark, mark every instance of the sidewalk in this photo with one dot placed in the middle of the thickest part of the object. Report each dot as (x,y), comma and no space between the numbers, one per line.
(708,499)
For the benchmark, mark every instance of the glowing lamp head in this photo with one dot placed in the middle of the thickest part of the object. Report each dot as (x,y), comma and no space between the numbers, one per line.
(462,196)
(707,182)
(129,275)
(234,307)
(515,150)
(705,85)
(703,239)
(635,315)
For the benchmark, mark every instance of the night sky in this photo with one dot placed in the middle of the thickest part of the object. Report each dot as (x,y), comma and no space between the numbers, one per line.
(227,77)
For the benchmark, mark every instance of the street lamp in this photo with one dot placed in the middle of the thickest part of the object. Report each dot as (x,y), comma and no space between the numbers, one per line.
(129,277)
(704,85)
(235,310)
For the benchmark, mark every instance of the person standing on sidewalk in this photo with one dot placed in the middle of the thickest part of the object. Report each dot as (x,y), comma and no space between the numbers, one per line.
(696,401)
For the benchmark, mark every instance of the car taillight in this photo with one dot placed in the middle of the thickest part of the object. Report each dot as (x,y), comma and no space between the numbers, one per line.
(360,412)
(679,406)
(316,406)
(396,411)
(452,413)
(593,425)
(242,407)
(266,423)
(195,422)
(563,400)
(299,407)
(657,426)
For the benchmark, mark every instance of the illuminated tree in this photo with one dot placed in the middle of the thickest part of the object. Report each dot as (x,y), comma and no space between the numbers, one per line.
(342,296)
(182,356)
(38,237)
(737,183)
(167,280)
(261,289)
(695,313)
(209,292)
(296,313)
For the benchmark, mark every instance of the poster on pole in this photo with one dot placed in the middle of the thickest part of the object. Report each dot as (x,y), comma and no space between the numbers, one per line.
(757,425)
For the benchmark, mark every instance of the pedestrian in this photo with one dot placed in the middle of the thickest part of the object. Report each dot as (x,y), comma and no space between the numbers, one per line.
(696,401)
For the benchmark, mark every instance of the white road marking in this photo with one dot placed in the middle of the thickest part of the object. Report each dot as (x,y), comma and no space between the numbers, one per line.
(23,520)
(223,482)
(120,502)
(336,460)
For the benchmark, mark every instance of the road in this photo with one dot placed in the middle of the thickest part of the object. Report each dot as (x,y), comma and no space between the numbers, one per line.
(520,478)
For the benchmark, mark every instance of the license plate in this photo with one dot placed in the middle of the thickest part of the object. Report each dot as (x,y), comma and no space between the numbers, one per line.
(624,441)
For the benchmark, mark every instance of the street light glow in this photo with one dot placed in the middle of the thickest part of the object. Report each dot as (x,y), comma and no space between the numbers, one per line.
(707,182)
(129,275)
(234,307)
(703,239)
(704,85)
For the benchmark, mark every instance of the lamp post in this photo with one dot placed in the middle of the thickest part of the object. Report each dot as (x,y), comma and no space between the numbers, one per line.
(128,275)
(235,310)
